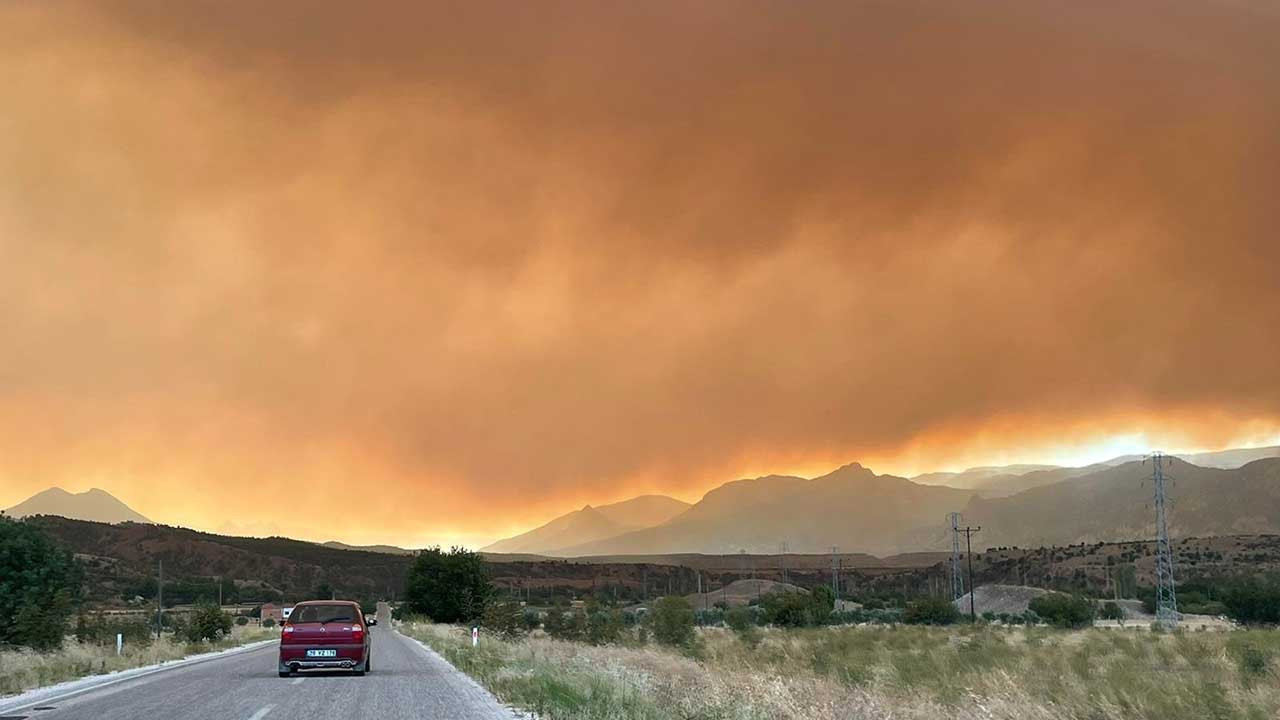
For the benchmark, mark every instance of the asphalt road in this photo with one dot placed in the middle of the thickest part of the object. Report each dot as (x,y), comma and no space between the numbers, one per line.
(406,681)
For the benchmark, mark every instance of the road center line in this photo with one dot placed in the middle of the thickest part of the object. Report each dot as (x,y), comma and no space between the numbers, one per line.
(262,712)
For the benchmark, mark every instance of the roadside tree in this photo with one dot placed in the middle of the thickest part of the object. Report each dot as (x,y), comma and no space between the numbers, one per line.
(448,587)
(39,586)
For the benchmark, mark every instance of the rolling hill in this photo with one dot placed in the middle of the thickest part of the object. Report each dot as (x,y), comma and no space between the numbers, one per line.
(93,505)
(590,524)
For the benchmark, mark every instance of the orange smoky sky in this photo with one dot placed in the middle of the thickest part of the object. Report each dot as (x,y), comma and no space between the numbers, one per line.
(432,271)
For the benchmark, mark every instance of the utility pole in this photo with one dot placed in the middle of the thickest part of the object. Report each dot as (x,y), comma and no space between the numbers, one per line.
(219,592)
(835,579)
(160,601)
(782,558)
(1166,600)
(957,582)
(968,545)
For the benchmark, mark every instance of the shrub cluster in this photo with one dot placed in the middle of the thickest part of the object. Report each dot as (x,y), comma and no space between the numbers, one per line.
(1064,610)
(207,623)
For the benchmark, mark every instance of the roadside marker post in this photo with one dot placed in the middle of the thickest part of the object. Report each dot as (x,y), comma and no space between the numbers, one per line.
(119,642)
(475,636)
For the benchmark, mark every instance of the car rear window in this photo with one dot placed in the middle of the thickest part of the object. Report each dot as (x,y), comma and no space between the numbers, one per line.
(323,613)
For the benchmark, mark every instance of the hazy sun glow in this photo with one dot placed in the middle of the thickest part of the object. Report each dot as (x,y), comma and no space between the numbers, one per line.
(464,271)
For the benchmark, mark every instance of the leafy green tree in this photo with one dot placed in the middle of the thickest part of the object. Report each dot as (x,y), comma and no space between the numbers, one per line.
(604,626)
(208,623)
(448,587)
(1064,610)
(1254,601)
(39,586)
(504,619)
(931,611)
(672,621)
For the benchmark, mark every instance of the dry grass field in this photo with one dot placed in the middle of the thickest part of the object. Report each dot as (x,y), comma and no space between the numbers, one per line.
(22,670)
(884,672)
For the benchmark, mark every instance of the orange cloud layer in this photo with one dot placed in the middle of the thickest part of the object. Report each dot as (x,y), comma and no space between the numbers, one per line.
(481,263)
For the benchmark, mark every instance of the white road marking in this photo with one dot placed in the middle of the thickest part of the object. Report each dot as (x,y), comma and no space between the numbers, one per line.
(262,712)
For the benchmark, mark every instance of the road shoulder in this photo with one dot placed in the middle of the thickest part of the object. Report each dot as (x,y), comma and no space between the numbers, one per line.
(71,688)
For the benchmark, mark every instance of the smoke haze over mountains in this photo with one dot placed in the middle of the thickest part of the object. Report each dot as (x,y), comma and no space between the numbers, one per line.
(476,263)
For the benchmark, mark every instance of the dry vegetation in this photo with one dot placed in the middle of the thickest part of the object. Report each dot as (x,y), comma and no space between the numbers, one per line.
(22,670)
(885,672)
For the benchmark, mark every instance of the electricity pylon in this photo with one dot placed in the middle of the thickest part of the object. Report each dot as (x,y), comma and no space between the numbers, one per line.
(1166,599)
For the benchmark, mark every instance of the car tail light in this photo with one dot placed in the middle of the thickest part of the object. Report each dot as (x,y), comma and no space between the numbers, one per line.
(286,632)
(357,633)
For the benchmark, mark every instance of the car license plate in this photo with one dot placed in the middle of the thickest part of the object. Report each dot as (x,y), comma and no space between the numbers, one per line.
(322,653)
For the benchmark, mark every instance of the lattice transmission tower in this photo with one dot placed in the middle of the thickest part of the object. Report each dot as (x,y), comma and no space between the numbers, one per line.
(957,560)
(1166,599)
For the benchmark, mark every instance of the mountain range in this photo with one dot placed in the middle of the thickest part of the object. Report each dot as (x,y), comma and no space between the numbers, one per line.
(852,508)
(855,510)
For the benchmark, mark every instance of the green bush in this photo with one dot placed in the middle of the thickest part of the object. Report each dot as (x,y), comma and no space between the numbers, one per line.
(39,586)
(1254,602)
(242,621)
(1111,611)
(207,623)
(604,627)
(1064,610)
(794,609)
(672,621)
(448,587)
(742,621)
(102,630)
(269,623)
(931,611)
(504,619)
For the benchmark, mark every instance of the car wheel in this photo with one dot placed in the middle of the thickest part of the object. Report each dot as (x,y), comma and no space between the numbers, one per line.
(285,673)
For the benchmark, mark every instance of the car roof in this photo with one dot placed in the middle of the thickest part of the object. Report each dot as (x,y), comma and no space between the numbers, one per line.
(328,602)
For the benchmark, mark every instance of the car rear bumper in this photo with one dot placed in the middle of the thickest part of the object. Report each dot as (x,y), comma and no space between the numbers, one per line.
(346,656)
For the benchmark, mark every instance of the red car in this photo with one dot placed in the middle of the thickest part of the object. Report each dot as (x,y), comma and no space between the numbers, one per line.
(329,634)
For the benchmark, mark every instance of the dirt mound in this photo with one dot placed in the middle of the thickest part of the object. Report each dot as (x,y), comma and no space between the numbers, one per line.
(1011,599)
(740,592)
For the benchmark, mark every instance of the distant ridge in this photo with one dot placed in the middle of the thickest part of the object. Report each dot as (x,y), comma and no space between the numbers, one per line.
(384,549)
(592,523)
(94,505)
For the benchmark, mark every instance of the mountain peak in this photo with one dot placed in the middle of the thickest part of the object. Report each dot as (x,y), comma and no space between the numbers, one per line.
(94,505)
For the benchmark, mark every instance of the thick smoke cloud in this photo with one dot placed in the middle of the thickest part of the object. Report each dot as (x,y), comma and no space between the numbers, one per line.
(481,262)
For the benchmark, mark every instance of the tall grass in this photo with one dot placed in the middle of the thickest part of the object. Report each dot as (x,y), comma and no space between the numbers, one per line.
(22,670)
(878,672)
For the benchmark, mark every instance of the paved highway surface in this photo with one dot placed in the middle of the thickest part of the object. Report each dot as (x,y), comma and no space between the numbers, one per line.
(407,681)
